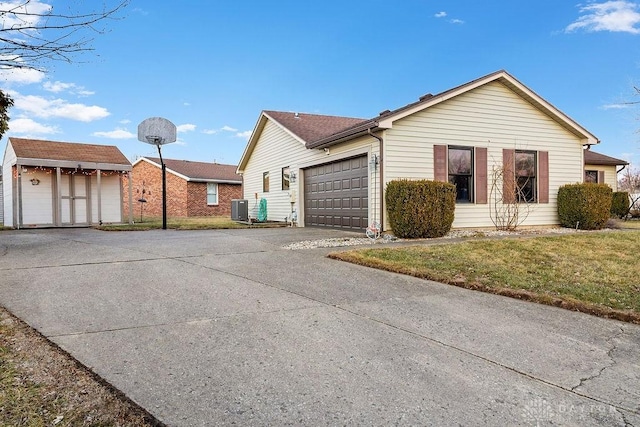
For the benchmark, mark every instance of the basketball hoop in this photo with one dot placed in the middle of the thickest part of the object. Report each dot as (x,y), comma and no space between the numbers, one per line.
(159,131)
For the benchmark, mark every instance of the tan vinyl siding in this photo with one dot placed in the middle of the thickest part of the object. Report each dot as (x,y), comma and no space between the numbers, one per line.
(494,117)
(610,174)
(276,149)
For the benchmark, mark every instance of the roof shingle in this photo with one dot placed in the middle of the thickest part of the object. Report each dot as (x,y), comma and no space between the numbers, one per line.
(67,151)
(201,170)
(593,158)
(312,127)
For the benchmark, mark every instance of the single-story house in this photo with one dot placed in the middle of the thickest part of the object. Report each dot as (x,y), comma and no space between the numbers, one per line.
(602,169)
(62,184)
(332,171)
(193,188)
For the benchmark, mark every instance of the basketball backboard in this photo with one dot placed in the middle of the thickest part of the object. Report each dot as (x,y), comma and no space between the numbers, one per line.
(157,131)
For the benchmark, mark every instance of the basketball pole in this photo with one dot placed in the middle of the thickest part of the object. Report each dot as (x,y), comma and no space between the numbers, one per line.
(164,189)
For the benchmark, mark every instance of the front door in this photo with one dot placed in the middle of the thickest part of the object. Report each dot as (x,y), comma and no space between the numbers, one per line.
(74,199)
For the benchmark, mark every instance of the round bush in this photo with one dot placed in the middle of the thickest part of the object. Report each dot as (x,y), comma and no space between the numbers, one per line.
(419,209)
(620,204)
(586,206)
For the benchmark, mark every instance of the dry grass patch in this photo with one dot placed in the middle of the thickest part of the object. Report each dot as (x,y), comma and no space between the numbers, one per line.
(192,223)
(40,385)
(591,272)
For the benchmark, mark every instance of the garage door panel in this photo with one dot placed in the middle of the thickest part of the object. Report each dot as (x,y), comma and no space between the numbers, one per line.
(336,194)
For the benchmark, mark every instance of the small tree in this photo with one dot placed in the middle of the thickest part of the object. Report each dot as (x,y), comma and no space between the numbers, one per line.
(630,182)
(510,205)
(5,103)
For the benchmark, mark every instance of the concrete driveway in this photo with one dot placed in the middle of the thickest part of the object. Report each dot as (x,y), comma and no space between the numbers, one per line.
(227,327)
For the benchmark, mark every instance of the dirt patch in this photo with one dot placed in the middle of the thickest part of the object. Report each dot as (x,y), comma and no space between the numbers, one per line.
(40,385)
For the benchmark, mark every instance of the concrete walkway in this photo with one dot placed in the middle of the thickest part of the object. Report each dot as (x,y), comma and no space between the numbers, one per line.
(226,327)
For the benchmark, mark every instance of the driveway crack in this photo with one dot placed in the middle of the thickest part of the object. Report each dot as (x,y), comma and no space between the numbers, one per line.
(612,348)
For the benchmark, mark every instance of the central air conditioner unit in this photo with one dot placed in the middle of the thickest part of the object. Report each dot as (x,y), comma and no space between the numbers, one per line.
(240,210)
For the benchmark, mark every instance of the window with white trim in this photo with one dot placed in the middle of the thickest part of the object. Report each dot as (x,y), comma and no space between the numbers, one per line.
(212,193)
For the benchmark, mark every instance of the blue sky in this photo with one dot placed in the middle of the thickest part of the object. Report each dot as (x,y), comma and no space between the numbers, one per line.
(211,66)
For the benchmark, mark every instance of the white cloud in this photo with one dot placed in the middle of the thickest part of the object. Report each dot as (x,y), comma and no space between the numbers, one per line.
(73,88)
(124,121)
(614,16)
(28,126)
(457,21)
(21,14)
(616,106)
(246,134)
(21,76)
(116,134)
(440,14)
(57,86)
(59,108)
(187,127)
(224,128)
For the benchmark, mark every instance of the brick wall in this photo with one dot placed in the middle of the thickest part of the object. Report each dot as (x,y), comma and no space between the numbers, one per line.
(197,199)
(147,177)
(183,198)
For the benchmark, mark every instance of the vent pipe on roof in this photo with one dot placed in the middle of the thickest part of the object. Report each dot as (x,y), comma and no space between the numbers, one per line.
(296,115)
(425,97)
(382,113)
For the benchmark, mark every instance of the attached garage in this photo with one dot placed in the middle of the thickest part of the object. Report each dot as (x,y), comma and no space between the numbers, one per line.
(336,194)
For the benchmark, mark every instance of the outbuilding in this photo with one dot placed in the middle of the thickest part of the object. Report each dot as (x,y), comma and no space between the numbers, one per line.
(62,184)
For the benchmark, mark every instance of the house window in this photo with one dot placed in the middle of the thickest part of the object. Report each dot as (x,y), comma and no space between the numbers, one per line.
(525,169)
(460,170)
(212,193)
(285,178)
(591,176)
(265,182)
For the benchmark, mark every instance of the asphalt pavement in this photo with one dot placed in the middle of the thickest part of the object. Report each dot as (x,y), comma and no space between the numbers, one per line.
(227,327)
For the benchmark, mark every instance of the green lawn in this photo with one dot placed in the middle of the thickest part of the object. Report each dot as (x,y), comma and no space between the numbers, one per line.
(593,272)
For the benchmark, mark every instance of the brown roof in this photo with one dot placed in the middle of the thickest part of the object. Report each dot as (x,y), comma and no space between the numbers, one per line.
(593,158)
(67,151)
(201,171)
(312,127)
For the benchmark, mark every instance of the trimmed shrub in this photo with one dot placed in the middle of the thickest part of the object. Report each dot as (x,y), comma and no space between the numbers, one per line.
(586,205)
(419,209)
(620,204)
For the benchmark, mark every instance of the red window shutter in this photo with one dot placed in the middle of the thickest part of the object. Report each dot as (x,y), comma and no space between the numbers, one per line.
(600,177)
(543,179)
(480,171)
(508,178)
(440,163)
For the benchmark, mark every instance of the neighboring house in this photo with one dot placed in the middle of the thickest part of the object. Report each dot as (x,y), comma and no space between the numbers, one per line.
(61,184)
(602,169)
(332,171)
(193,188)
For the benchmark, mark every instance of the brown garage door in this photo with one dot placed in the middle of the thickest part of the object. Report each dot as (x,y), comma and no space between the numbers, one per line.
(336,194)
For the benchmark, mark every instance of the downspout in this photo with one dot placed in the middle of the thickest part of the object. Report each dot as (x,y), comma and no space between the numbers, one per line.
(381,163)
(623,166)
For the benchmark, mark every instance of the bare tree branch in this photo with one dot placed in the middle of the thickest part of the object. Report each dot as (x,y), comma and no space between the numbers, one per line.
(32,33)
